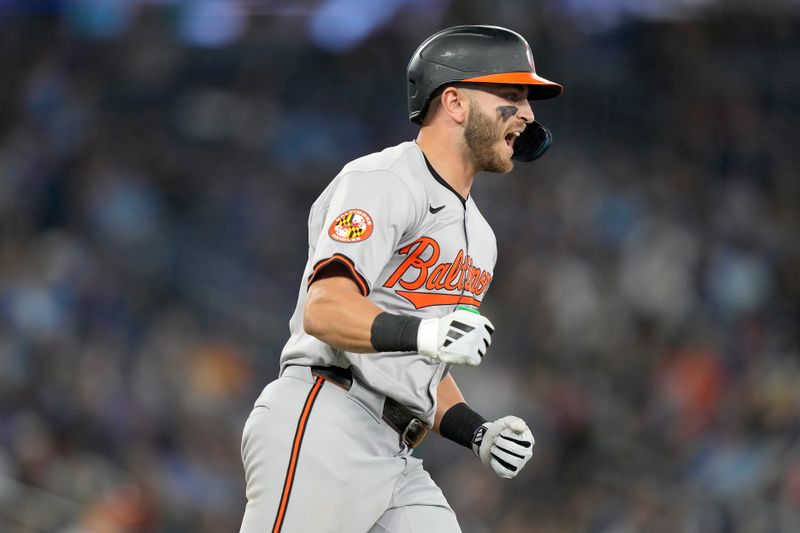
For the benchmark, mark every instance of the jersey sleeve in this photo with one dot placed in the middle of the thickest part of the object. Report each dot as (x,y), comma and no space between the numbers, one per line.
(368,214)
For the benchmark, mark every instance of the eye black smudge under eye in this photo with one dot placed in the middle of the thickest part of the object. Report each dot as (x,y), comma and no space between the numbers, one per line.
(507,111)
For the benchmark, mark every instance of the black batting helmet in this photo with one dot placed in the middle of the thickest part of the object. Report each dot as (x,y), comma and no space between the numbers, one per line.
(479,54)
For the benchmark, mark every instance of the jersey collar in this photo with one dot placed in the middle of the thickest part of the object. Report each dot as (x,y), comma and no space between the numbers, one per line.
(440,179)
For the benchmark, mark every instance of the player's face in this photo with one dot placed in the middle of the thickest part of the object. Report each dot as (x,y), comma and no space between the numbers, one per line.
(496,115)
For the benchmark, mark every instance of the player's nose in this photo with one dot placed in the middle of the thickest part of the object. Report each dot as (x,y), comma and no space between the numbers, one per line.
(526,112)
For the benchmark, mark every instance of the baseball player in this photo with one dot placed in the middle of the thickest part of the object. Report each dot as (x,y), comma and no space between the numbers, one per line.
(399,262)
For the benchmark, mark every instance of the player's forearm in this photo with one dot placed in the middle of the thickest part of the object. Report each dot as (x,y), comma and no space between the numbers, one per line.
(447,395)
(337,314)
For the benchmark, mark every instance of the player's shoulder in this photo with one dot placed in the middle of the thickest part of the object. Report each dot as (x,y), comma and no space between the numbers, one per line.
(398,162)
(386,171)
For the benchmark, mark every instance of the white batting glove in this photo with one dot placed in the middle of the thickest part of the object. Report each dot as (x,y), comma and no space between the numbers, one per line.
(460,338)
(504,445)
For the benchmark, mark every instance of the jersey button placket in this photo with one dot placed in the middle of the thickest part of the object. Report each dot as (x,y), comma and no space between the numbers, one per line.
(466,250)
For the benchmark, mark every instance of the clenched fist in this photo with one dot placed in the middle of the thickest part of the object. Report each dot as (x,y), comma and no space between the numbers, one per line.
(504,445)
(460,338)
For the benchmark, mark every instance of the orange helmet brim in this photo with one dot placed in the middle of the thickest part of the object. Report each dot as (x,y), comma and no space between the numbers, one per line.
(541,88)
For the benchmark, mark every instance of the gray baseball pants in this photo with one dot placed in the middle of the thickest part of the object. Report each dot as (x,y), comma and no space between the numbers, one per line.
(319,459)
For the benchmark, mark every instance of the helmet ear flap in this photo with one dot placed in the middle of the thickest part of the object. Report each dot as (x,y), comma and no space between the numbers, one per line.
(532,143)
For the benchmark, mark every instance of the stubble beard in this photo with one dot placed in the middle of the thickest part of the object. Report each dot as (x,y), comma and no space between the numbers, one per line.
(482,136)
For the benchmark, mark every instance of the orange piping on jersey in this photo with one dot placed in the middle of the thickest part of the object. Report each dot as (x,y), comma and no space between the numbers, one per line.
(429,299)
(298,441)
(348,263)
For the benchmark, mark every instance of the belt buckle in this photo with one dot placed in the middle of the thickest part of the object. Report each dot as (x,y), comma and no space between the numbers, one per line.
(414,433)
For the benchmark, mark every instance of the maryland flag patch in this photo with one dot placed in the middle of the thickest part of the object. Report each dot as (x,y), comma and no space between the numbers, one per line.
(351,226)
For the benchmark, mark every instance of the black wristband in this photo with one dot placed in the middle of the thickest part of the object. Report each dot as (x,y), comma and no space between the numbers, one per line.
(394,333)
(459,424)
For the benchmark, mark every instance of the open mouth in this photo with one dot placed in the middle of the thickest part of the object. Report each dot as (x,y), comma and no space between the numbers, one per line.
(511,137)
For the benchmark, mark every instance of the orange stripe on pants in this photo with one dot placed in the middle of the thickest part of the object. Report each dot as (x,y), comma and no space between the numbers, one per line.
(298,441)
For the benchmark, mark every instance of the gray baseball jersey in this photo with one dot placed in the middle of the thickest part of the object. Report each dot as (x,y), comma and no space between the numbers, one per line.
(413,246)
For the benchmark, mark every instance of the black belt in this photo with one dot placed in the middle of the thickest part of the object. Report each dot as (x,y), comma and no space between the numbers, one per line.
(411,429)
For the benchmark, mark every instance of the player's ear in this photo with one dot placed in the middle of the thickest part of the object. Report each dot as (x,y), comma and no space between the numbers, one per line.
(455,103)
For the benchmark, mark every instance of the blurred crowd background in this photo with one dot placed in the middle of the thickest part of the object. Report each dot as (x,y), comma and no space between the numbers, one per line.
(157,163)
